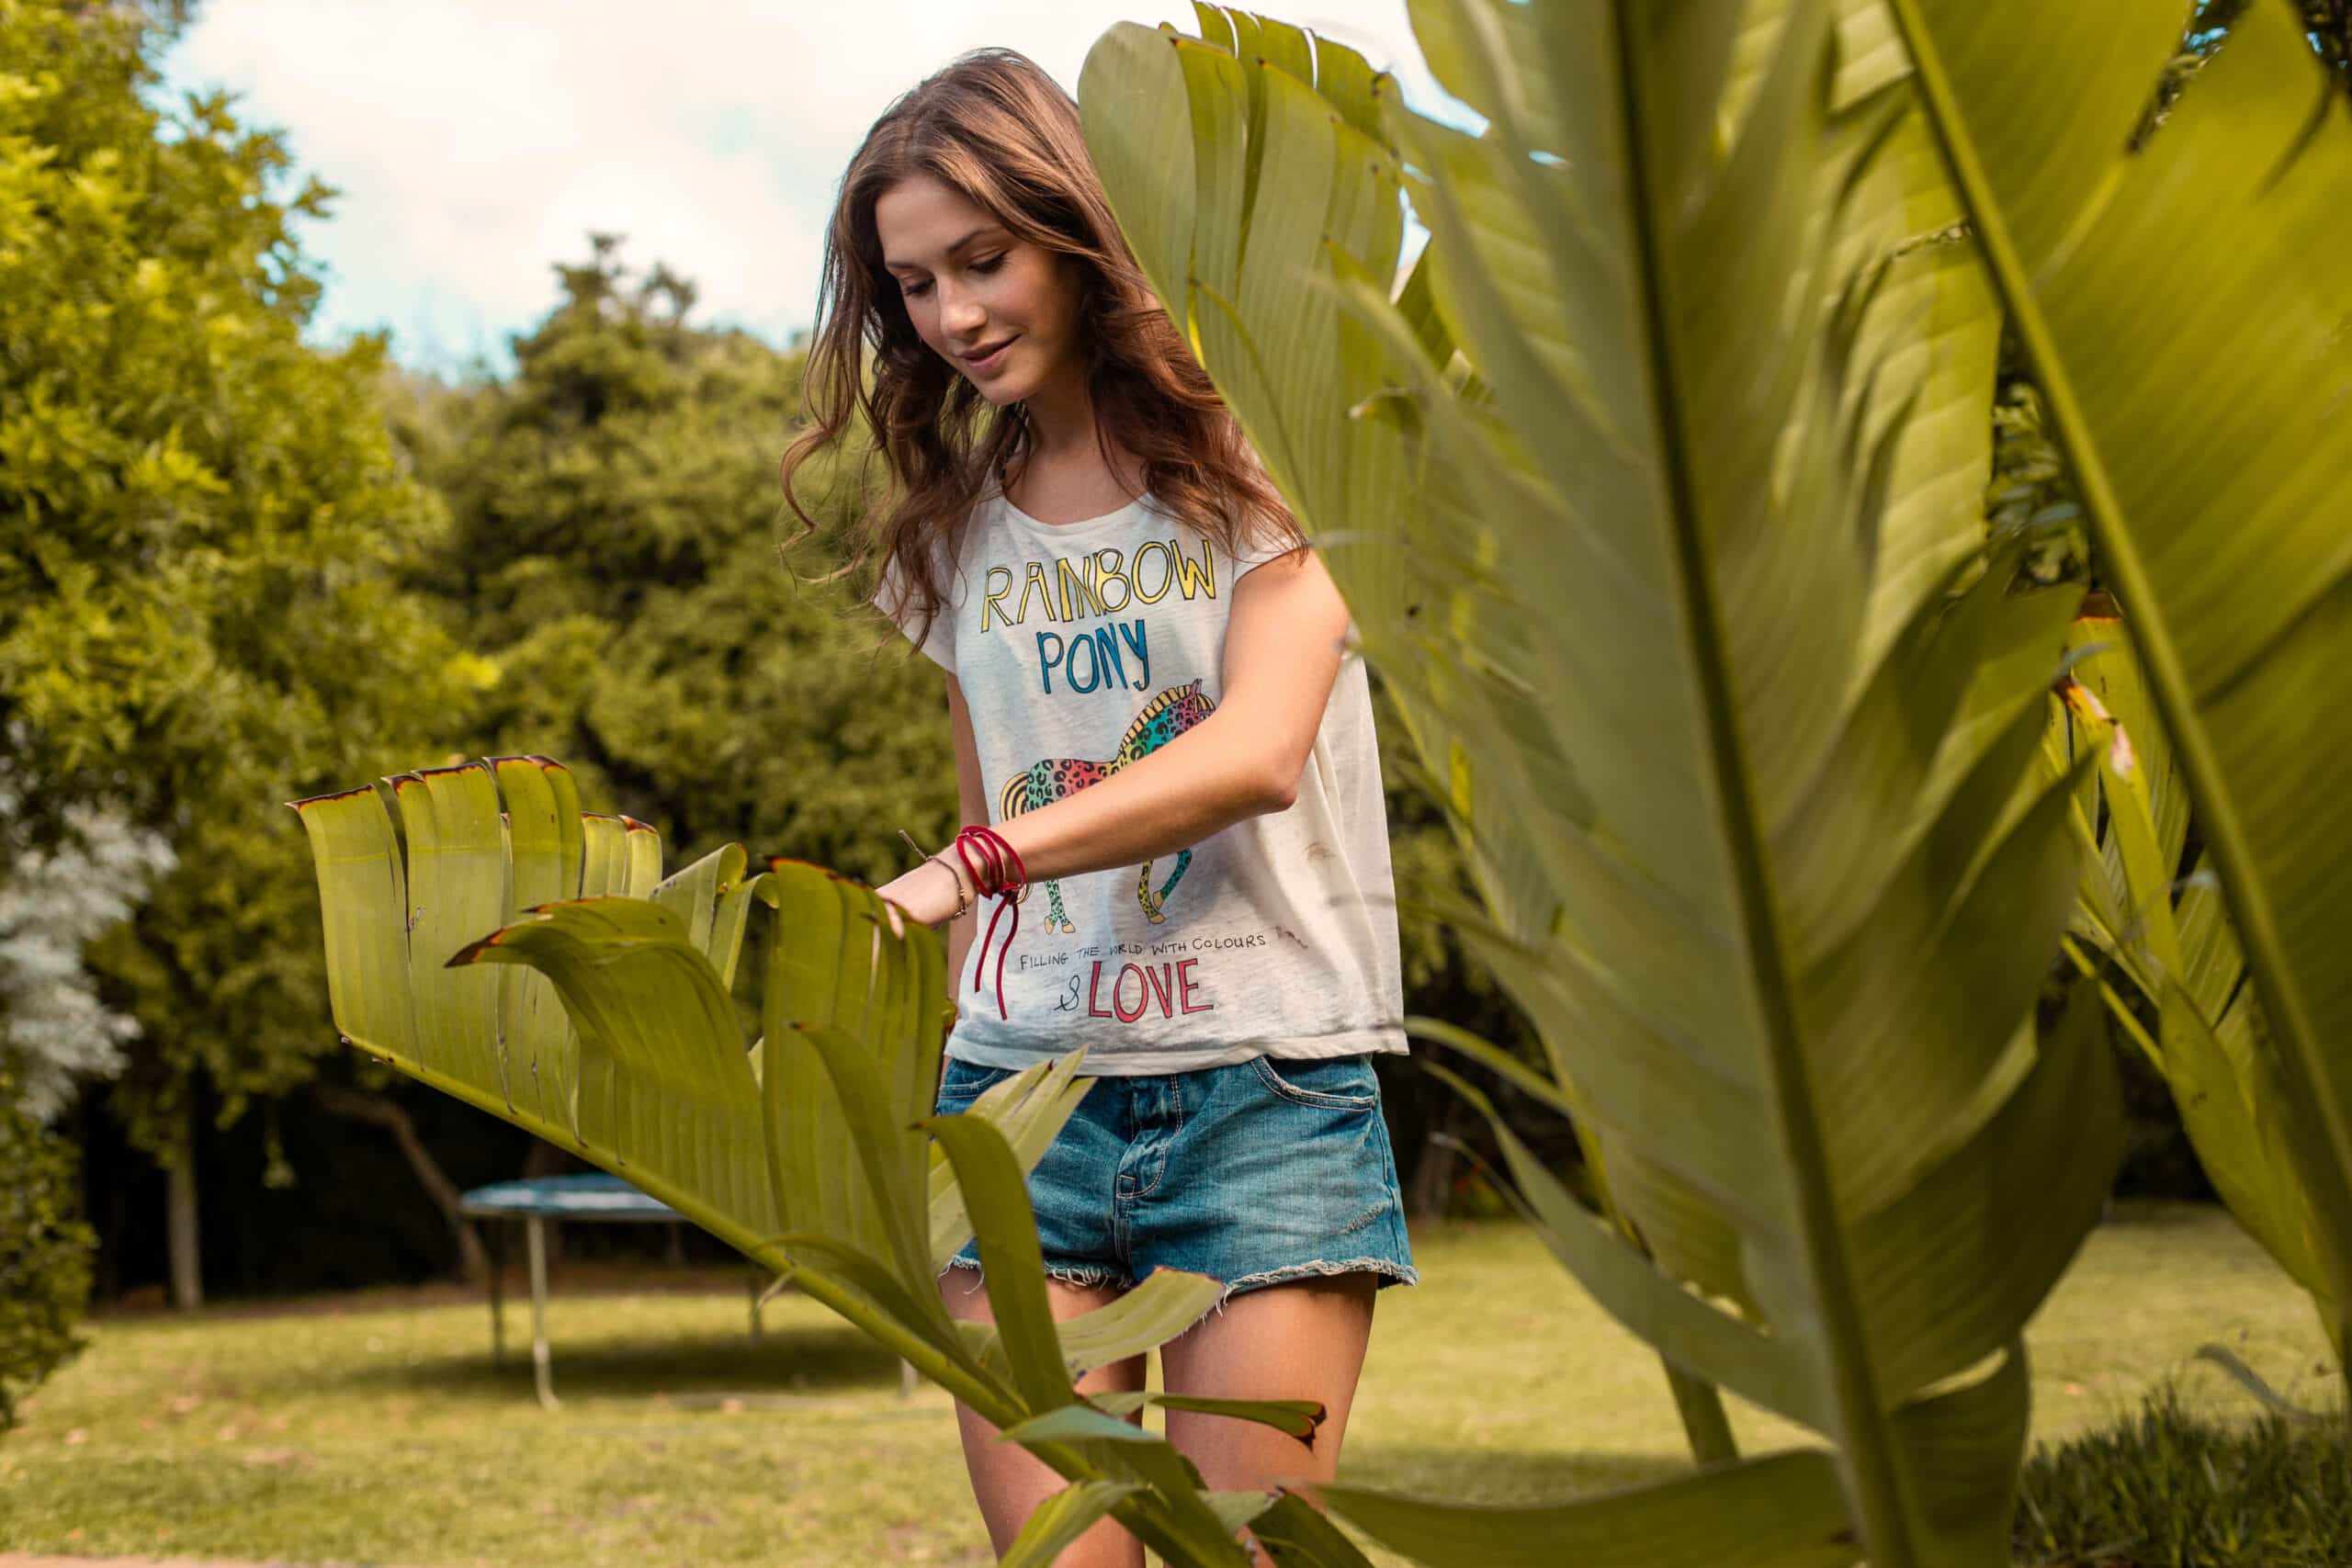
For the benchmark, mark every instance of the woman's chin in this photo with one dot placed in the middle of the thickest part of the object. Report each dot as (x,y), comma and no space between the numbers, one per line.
(1001,390)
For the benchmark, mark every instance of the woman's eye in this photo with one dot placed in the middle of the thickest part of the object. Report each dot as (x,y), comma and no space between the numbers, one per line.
(916,290)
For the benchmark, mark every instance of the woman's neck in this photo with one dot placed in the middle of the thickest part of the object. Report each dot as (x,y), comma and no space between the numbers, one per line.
(1061,474)
(1061,415)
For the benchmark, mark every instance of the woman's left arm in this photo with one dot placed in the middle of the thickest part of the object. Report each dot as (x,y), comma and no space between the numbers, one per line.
(1282,641)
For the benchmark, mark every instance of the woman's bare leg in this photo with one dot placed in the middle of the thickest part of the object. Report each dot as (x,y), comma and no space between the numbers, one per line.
(1008,1479)
(1301,1340)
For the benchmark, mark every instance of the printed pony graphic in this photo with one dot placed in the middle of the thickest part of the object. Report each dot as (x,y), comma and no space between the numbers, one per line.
(1167,716)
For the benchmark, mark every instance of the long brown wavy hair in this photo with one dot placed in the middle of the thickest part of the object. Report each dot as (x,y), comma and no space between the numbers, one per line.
(994,126)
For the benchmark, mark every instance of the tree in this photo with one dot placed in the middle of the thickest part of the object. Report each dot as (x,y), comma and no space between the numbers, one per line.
(200,522)
(613,554)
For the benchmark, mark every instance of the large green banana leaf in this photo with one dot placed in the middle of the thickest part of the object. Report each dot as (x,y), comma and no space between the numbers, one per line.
(1355,464)
(496,942)
(2172,936)
(1663,570)
(2184,310)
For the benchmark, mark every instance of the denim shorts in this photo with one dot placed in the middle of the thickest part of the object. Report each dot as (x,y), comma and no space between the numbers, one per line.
(1255,1173)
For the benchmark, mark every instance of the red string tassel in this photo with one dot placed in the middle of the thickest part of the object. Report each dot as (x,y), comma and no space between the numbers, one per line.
(996,870)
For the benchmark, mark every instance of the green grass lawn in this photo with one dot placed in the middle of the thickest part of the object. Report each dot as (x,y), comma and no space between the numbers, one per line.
(375,1430)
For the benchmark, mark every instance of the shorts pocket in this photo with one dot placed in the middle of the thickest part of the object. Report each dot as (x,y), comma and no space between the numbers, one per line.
(961,1082)
(1334,1083)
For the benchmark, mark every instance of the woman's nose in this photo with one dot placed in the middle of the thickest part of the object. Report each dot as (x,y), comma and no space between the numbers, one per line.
(960,313)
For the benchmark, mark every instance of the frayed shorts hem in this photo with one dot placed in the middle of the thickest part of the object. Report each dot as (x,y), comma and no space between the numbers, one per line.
(1388,1271)
(1392,1271)
(1090,1274)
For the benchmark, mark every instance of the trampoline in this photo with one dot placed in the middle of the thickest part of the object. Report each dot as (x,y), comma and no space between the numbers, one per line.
(594,1196)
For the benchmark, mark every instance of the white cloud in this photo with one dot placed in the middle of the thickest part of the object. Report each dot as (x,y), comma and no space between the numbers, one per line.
(477,144)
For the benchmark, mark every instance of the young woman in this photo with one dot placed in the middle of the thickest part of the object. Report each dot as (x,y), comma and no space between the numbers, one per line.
(1165,756)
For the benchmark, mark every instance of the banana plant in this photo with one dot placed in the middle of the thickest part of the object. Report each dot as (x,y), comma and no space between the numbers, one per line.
(2170,935)
(487,937)
(1653,491)
(2182,307)
(1374,577)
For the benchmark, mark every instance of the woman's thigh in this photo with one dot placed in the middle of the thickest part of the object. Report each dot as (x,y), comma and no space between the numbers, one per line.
(1007,1480)
(1301,1340)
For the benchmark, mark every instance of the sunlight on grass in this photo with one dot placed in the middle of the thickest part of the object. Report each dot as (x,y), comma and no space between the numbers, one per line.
(384,1434)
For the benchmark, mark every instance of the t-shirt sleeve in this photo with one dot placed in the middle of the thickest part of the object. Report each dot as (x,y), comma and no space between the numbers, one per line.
(891,598)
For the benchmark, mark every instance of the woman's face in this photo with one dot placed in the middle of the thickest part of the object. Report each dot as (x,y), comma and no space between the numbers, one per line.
(999,309)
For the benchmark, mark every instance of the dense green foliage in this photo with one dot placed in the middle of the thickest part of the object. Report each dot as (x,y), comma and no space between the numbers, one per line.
(2181,1490)
(199,521)
(44,1253)
(613,557)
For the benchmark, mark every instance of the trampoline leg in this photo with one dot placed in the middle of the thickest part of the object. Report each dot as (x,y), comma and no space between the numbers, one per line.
(535,1229)
(497,1232)
(756,1288)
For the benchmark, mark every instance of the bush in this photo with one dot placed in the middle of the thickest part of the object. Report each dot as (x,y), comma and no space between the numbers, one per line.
(2169,1488)
(44,1253)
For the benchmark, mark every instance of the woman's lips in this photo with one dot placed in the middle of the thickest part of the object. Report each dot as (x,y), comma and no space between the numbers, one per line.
(993,361)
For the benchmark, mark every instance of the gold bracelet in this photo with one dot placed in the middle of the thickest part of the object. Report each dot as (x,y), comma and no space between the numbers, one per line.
(963,899)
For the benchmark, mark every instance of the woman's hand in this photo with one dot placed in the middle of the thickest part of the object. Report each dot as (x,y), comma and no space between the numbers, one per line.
(931,893)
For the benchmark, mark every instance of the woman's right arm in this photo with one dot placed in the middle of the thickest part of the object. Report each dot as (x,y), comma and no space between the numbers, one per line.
(972,806)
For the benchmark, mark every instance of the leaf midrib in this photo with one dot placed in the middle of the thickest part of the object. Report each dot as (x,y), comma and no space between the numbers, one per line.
(1867,1439)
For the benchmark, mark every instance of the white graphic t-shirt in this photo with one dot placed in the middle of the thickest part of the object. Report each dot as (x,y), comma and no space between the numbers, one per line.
(1080,649)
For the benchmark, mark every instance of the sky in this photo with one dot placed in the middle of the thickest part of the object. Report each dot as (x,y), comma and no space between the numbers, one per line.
(477,142)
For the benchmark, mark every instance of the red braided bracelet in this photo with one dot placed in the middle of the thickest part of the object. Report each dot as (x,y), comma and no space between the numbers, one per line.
(996,871)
